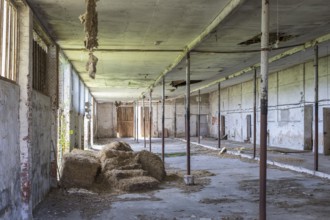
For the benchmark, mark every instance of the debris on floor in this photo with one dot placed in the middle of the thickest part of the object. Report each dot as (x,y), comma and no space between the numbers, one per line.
(116,166)
(223,150)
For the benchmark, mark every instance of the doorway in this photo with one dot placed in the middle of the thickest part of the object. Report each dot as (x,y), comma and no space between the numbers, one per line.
(145,133)
(326,131)
(308,127)
(125,122)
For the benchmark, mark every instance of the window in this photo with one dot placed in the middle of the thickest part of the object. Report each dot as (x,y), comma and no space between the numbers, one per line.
(39,64)
(8,39)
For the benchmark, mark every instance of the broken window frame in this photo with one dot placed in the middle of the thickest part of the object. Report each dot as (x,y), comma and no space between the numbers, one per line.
(8,40)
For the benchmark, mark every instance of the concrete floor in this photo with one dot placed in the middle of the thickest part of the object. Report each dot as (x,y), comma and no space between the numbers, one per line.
(231,193)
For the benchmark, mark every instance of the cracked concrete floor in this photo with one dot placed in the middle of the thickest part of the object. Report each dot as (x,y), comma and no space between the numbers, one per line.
(227,188)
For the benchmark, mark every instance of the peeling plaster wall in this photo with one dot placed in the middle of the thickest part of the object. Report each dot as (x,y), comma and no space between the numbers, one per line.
(290,90)
(41,146)
(106,120)
(9,151)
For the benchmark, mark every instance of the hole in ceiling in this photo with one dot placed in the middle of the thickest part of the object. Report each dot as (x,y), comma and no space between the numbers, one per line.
(178,83)
(282,37)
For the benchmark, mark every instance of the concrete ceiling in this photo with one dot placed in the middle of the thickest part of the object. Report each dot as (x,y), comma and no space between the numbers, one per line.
(130,63)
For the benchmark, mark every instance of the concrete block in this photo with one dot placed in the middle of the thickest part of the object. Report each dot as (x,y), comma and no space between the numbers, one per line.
(189,179)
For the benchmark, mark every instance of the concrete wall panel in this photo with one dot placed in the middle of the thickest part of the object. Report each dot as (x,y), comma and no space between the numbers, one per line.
(9,151)
(41,146)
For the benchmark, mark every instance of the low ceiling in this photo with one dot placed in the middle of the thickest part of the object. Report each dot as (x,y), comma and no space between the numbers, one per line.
(139,41)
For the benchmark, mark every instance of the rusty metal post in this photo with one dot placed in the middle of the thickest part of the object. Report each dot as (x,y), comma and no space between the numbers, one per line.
(144,124)
(175,118)
(199,117)
(263,106)
(254,113)
(219,115)
(188,111)
(316,110)
(137,121)
(134,119)
(150,118)
(163,121)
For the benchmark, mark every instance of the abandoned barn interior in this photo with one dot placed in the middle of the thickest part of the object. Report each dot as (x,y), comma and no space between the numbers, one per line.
(149,109)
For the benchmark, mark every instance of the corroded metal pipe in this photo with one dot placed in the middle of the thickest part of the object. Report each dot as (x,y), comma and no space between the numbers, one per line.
(219,115)
(188,111)
(163,121)
(199,117)
(150,118)
(316,110)
(144,124)
(254,113)
(263,106)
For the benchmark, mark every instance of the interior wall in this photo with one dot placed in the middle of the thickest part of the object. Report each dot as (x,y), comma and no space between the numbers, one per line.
(41,146)
(290,90)
(9,151)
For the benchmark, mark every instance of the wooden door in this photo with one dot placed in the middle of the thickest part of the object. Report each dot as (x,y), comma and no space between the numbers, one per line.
(125,121)
(146,120)
(326,130)
(308,127)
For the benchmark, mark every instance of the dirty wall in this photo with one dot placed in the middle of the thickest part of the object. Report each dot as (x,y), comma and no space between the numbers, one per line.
(291,91)
(41,146)
(9,151)
(107,118)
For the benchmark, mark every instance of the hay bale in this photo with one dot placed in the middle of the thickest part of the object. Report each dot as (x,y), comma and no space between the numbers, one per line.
(118,146)
(122,161)
(87,153)
(79,169)
(138,183)
(113,176)
(152,164)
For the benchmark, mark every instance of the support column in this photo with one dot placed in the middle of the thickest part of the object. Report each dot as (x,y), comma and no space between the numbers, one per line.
(144,124)
(219,115)
(163,121)
(174,118)
(254,113)
(150,118)
(316,107)
(137,121)
(134,119)
(263,106)
(199,117)
(189,180)
(25,24)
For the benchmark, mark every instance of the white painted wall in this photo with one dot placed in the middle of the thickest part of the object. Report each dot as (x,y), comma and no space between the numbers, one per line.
(289,91)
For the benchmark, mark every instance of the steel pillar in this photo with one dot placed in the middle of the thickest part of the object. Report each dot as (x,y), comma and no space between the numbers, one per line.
(188,111)
(316,107)
(263,106)
(219,115)
(144,124)
(163,121)
(137,121)
(254,113)
(199,118)
(150,118)
(175,118)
